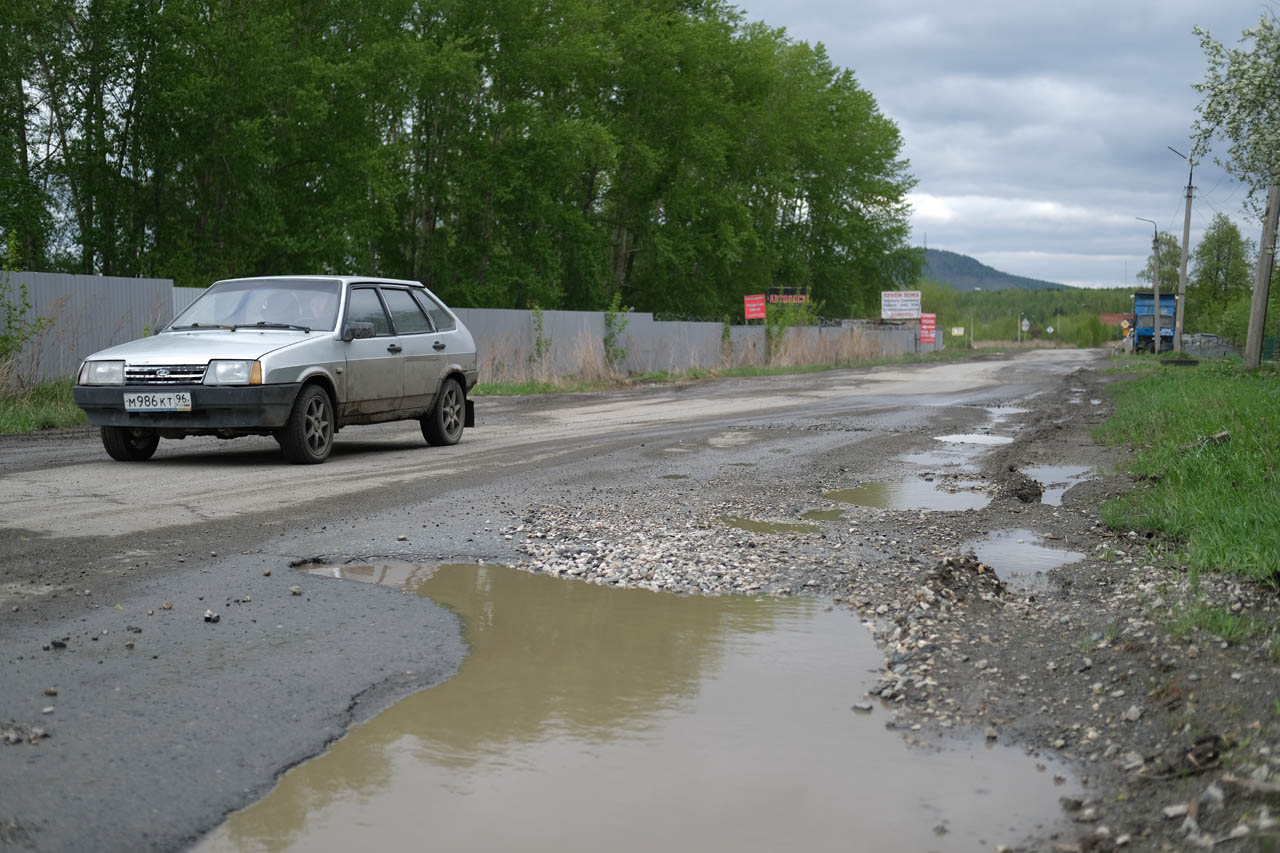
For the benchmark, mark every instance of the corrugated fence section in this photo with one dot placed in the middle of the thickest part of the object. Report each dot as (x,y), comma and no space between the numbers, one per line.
(89,313)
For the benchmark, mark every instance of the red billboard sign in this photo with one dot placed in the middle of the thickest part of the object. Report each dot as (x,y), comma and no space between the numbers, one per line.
(928,328)
(753,306)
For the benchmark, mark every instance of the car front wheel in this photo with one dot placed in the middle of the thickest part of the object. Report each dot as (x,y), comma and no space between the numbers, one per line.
(129,445)
(307,438)
(443,424)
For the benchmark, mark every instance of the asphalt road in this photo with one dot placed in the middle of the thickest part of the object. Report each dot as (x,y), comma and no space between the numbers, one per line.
(158,722)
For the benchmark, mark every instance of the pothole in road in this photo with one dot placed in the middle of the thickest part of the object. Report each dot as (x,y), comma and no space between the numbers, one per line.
(754,526)
(1057,479)
(590,717)
(1000,414)
(1018,557)
(914,494)
(823,515)
(731,439)
(958,456)
(982,438)
(19,591)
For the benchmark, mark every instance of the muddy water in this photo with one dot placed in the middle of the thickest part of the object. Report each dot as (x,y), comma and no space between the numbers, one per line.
(823,515)
(592,718)
(912,493)
(1057,479)
(782,527)
(958,456)
(1020,557)
(983,438)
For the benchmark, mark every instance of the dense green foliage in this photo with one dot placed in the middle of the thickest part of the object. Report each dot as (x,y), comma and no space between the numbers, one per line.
(1218,500)
(507,153)
(1241,89)
(1221,275)
(1072,312)
(1170,260)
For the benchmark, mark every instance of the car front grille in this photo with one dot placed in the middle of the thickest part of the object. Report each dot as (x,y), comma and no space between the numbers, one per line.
(164,374)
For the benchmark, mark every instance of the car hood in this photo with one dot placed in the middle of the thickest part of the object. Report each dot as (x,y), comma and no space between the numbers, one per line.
(199,346)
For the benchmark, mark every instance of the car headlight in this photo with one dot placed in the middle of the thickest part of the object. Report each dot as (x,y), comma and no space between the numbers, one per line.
(227,372)
(102,373)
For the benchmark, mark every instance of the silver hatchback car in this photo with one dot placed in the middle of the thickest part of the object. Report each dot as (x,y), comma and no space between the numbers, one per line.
(297,358)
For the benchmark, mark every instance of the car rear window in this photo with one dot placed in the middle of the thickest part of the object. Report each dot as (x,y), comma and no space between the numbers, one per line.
(441,318)
(407,314)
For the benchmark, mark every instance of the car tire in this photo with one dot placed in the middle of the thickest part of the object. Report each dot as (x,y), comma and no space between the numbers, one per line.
(443,425)
(307,437)
(125,444)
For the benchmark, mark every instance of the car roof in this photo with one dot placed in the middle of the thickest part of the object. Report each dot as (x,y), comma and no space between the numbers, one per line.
(343,279)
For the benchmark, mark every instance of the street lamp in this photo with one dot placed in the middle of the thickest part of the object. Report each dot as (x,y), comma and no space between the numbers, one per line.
(1182,268)
(1155,290)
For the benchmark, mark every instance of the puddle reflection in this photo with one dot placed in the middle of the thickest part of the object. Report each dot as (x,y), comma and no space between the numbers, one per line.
(982,438)
(587,717)
(1057,479)
(1019,556)
(912,494)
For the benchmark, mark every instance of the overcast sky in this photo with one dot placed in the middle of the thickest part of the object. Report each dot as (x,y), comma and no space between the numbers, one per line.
(1038,130)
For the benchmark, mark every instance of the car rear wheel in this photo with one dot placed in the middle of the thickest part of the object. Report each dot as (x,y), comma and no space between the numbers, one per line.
(307,438)
(125,444)
(443,424)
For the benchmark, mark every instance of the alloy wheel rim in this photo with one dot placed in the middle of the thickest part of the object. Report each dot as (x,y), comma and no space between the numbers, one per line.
(450,412)
(317,425)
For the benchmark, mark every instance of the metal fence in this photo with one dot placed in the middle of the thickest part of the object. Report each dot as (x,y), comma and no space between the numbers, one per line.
(89,313)
(85,313)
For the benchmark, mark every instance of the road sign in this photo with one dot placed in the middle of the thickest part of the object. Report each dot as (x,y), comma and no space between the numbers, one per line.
(1026,325)
(957,331)
(753,306)
(899,304)
(1049,330)
(1124,324)
(928,328)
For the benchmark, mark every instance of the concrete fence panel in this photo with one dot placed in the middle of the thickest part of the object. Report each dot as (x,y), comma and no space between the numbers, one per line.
(89,313)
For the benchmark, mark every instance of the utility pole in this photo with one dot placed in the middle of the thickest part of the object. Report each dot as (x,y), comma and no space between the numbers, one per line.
(1179,312)
(1155,290)
(1262,281)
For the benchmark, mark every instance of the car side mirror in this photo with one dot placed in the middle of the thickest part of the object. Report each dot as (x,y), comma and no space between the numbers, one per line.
(357,330)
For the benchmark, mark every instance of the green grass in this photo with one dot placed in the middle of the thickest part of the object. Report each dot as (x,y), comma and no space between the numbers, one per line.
(1219,500)
(44,406)
(1219,622)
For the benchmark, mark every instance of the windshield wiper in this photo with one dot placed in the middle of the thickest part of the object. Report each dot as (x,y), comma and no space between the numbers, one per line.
(264,325)
(201,326)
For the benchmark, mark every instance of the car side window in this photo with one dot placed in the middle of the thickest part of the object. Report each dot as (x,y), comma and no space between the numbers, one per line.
(366,307)
(441,318)
(407,314)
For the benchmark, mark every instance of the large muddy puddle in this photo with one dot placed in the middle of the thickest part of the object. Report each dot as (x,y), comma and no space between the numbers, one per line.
(592,718)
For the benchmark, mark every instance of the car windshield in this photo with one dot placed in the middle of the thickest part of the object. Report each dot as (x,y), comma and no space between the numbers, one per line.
(310,304)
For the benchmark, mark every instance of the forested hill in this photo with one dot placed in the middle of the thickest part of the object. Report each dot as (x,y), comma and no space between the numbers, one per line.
(961,272)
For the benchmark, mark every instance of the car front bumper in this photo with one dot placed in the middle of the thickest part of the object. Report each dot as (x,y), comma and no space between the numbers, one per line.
(214,408)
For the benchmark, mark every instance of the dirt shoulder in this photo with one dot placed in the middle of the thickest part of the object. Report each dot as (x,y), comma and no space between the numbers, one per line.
(1175,736)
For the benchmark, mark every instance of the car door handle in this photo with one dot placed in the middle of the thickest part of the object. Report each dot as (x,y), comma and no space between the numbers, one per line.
(438,345)
(393,348)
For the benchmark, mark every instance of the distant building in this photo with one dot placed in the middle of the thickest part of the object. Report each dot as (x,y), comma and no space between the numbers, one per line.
(1114,319)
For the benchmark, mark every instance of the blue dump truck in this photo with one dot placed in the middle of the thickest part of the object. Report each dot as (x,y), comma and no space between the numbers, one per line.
(1142,335)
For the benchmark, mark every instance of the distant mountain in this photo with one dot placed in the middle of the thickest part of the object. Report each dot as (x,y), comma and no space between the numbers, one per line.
(961,272)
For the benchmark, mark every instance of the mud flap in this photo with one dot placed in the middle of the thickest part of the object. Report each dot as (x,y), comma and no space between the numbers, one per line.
(469,419)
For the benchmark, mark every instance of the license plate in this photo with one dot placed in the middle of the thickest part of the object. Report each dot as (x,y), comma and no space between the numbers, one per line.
(163,401)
